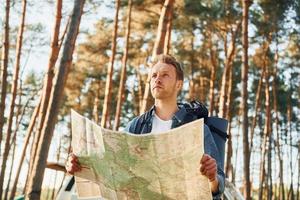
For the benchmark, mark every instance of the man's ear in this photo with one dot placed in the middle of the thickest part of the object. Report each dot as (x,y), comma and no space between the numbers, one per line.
(179,84)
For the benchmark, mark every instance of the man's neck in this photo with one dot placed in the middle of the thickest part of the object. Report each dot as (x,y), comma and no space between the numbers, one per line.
(165,109)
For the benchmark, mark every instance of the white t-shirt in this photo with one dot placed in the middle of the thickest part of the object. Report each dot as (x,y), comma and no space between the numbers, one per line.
(159,125)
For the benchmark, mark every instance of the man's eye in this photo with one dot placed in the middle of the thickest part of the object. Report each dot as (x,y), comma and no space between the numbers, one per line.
(154,75)
(166,75)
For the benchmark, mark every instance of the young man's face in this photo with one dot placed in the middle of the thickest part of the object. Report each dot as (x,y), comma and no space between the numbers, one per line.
(163,83)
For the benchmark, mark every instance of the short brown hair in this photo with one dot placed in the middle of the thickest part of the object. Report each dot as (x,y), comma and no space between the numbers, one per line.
(168,59)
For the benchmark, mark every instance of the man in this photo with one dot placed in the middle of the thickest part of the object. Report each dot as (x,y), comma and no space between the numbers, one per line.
(166,82)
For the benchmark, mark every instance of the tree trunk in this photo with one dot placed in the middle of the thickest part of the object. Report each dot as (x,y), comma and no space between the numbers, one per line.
(14,95)
(110,68)
(169,31)
(277,143)
(192,95)
(55,46)
(158,46)
(244,104)
(270,180)
(26,141)
(123,71)
(4,64)
(228,168)
(36,179)
(11,169)
(289,123)
(267,129)
(298,185)
(227,68)
(237,148)
(213,59)
(96,102)
(13,143)
(55,177)
(256,109)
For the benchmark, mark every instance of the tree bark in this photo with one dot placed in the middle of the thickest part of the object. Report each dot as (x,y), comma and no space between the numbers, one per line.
(158,46)
(14,95)
(223,106)
(244,104)
(192,95)
(11,169)
(228,168)
(96,101)
(169,31)
(4,64)
(55,47)
(267,128)
(57,160)
(213,59)
(123,70)
(291,194)
(256,109)
(108,85)
(13,143)
(277,143)
(36,179)
(26,141)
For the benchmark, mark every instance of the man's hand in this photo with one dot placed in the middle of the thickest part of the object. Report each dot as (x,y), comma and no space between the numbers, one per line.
(208,168)
(72,164)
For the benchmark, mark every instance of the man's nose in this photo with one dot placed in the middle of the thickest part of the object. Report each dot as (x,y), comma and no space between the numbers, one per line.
(157,79)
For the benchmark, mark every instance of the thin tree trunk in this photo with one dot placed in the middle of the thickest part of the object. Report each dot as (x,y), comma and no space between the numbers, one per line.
(36,179)
(244,104)
(298,184)
(4,64)
(123,71)
(213,59)
(289,123)
(267,129)
(11,169)
(169,31)
(270,180)
(237,148)
(108,85)
(229,117)
(192,95)
(158,46)
(14,95)
(227,68)
(13,143)
(55,46)
(256,109)
(277,143)
(55,177)
(96,102)
(26,141)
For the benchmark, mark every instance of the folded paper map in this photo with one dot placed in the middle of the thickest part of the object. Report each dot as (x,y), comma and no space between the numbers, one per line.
(124,166)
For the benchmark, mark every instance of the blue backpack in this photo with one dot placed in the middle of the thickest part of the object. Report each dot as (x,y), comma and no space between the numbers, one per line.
(217,126)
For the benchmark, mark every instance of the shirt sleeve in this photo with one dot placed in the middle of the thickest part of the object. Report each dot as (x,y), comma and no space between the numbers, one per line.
(211,149)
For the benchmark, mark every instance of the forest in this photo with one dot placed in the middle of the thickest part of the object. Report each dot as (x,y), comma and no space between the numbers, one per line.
(241,58)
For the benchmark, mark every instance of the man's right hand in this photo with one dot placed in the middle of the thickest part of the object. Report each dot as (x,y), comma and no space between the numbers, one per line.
(72,164)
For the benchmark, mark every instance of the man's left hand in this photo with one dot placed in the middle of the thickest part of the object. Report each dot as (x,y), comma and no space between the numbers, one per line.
(208,167)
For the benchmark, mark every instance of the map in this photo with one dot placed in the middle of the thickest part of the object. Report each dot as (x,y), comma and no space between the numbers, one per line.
(121,165)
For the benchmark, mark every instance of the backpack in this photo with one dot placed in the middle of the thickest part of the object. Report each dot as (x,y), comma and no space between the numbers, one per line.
(217,126)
